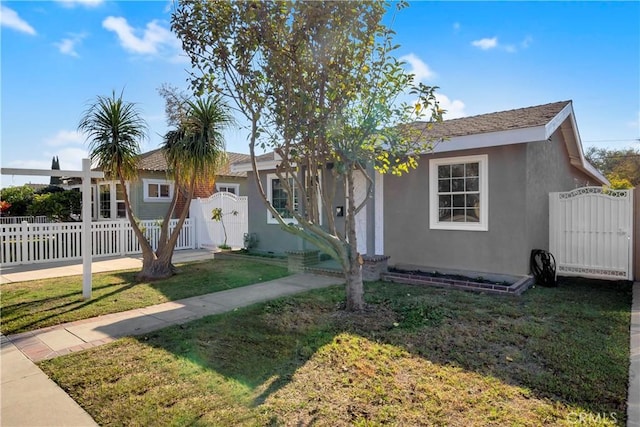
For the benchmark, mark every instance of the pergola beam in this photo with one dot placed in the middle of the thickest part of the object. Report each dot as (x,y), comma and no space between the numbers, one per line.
(52,172)
(86,174)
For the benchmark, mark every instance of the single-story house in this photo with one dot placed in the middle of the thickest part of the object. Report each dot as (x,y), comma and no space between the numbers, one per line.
(479,202)
(152,192)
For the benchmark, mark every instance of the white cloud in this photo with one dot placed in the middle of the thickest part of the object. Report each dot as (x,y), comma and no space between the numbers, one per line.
(419,69)
(85,3)
(454,109)
(526,42)
(68,46)
(70,158)
(65,137)
(486,43)
(31,164)
(492,43)
(154,38)
(9,18)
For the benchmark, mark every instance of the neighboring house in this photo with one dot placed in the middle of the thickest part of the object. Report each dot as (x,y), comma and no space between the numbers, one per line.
(152,192)
(479,202)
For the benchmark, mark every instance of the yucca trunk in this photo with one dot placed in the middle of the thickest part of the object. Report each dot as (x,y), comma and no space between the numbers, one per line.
(159,265)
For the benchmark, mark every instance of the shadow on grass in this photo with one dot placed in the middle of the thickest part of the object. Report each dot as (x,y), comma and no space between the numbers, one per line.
(31,305)
(566,344)
(72,302)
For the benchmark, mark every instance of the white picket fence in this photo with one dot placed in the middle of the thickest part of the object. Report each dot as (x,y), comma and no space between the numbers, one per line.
(234,215)
(18,219)
(27,243)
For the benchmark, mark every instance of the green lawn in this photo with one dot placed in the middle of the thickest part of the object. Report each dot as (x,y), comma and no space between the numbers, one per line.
(417,356)
(31,305)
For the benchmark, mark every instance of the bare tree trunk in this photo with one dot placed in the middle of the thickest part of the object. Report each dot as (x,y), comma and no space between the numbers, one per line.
(147,252)
(161,267)
(353,275)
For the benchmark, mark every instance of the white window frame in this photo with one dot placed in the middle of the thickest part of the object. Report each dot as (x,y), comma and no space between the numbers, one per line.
(235,186)
(145,190)
(113,201)
(270,217)
(483,186)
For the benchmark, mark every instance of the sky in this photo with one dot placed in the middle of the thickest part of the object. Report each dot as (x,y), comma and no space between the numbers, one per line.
(57,56)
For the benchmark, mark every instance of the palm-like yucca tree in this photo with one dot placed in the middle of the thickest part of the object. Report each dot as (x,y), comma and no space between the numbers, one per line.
(195,151)
(114,129)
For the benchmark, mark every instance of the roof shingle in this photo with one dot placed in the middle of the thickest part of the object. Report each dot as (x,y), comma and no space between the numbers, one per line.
(155,160)
(520,118)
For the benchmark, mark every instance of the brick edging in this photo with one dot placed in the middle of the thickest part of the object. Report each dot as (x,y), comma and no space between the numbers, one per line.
(515,289)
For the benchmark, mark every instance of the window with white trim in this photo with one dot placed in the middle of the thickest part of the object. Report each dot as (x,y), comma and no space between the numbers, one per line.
(157,190)
(111,203)
(279,199)
(458,193)
(229,188)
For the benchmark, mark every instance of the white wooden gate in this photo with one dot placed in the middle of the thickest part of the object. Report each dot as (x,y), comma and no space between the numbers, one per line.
(235,216)
(590,232)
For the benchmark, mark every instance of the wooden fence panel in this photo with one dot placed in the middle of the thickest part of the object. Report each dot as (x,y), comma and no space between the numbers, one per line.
(28,243)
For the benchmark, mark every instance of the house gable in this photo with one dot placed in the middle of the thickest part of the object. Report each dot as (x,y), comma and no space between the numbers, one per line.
(517,126)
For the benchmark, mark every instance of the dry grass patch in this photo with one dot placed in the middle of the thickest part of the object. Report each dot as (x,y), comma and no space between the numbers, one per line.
(415,357)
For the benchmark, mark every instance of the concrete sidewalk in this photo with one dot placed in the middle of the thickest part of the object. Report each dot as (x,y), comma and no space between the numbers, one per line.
(66,338)
(29,398)
(633,398)
(23,273)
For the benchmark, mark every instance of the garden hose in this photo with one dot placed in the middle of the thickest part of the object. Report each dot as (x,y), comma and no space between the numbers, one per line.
(543,268)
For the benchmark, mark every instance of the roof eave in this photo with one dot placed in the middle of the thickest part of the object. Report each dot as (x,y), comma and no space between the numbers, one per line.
(248,167)
(492,139)
(580,163)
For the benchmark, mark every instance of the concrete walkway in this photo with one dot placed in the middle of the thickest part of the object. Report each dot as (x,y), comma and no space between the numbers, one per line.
(29,398)
(633,400)
(23,273)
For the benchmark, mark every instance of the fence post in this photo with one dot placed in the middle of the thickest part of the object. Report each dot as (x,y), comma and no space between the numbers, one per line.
(195,219)
(24,232)
(635,234)
(122,232)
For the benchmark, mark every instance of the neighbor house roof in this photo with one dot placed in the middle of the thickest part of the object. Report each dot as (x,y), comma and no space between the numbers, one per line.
(264,161)
(155,160)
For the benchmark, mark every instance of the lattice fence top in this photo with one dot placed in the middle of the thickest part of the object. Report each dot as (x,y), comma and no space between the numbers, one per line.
(604,191)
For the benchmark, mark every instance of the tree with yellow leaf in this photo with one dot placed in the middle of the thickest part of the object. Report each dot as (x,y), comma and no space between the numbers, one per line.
(318,84)
(621,167)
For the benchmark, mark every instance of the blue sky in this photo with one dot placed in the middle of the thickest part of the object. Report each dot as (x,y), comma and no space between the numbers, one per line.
(57,56)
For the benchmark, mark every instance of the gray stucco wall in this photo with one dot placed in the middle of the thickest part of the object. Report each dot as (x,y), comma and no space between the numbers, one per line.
(409,240)
(548,170)
(520,179)
(242,181)
(271,237)
(147,210)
